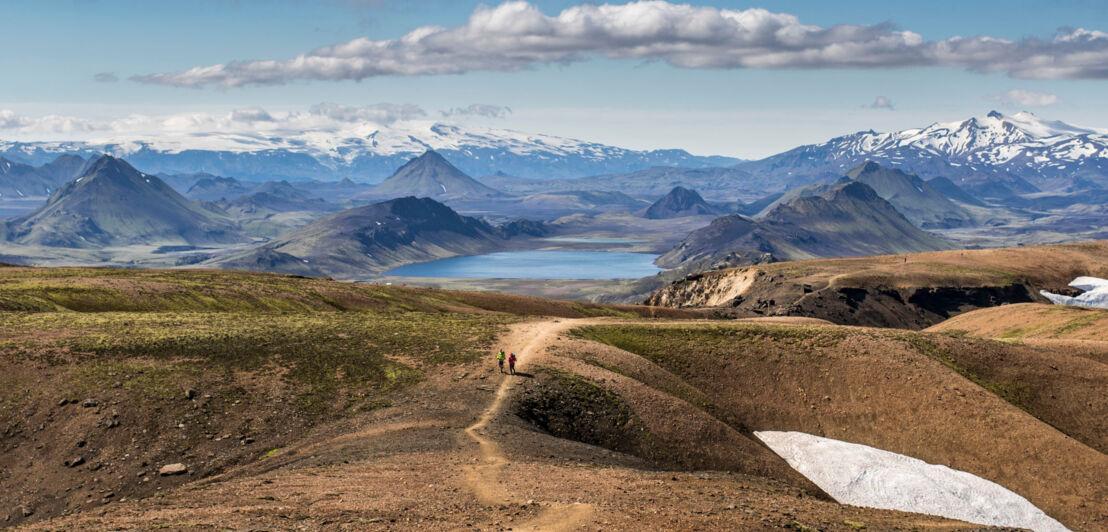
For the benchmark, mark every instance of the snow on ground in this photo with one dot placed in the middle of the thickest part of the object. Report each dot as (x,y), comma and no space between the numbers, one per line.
(1096,293)
(864,476)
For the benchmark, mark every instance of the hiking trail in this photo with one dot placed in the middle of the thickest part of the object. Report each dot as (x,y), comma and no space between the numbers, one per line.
(482,477)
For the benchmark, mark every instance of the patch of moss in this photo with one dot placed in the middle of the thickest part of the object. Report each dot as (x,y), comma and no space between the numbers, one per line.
(321,355)
(1079,323)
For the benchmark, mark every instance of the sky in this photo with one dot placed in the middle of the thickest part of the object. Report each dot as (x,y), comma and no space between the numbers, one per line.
(744,79)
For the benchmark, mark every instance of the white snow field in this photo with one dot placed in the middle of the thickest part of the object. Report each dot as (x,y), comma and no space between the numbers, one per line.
(1096,293)
(864,476)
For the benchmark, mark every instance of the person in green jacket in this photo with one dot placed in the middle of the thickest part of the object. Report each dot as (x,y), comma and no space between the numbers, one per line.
(500,360)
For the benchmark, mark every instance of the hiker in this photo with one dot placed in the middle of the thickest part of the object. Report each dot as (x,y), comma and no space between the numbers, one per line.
(512,363)
(500,360)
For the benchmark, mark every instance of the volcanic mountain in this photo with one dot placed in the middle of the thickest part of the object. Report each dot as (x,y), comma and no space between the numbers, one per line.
(432,176)
(215,188)
(64,169)
(269,199)
(913,197)
(680,202)
(371,239)
(850,219)
(113,204)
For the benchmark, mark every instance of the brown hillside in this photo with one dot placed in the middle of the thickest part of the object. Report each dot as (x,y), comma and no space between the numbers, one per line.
(445,454)
(1030,322)
(1065,330)
(910,393)
(906,291)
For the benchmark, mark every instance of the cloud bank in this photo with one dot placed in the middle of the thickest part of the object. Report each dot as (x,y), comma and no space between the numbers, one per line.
(327,117)
(479,109)
(1025,98)
(516,35)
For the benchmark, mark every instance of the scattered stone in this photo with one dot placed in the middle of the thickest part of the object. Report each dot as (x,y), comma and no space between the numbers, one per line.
(190,394)
(117,384)
(89,403)
(27,510)
(81,443)
(173,469)
(64,401)
(247,440)
(74,462)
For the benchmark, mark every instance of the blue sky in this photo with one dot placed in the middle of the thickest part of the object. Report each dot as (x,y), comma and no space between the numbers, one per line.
(53,51)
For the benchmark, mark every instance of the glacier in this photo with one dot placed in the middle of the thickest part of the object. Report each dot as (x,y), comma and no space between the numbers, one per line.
(865,476)
(365,152)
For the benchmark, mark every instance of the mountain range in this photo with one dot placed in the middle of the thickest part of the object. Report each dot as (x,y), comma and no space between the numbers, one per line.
(370,156)
(849,219)
(995,155)
(913,197)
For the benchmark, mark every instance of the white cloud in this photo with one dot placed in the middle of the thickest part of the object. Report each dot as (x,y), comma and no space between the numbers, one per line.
(479,109)
(251,114)
(1025,98)
(48,124)
(105,77)
(10,120)
(882,102)
(516,35)
(324,117)
(382,113)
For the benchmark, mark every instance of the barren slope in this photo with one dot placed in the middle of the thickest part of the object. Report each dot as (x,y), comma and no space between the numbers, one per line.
(891,390)
(908,291)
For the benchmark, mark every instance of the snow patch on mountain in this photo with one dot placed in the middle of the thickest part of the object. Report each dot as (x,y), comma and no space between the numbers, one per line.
(364,149)
(864,476)
(1095,293)
(1013,150)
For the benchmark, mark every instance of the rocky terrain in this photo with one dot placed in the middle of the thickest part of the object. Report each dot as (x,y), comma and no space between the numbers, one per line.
(911,291)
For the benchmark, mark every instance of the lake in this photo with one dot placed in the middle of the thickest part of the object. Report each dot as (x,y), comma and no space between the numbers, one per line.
(537,265)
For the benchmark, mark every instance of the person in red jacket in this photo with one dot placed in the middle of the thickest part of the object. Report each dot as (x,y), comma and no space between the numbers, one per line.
(512,364)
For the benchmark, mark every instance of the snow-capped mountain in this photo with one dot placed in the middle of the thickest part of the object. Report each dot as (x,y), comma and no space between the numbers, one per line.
(366,152)
(992,155)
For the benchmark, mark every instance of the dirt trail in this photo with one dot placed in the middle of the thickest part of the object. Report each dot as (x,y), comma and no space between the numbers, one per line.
(482,477)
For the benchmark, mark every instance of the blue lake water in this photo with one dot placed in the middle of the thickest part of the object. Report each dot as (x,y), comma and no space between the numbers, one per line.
(537,265)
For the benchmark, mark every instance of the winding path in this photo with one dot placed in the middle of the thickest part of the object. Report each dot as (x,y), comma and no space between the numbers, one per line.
(482,477)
